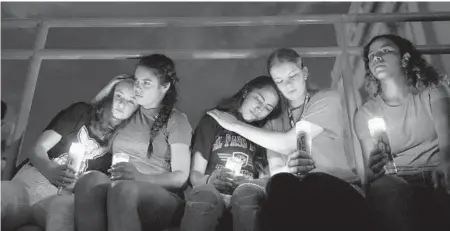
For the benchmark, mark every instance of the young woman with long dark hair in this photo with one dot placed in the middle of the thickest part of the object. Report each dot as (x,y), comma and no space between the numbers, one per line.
(214,184)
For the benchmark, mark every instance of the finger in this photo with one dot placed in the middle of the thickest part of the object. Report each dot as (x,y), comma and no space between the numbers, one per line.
(66,167)
(377,158)
(227,175)
(380,173)
(300,162)
(68,174)
(378,166)
(300,169)
(117,176)
(445,183)
(68,179)
(62,183)
(226,184)
(375,152)
(436,179)
(299,154)
(117,168)
(58,183)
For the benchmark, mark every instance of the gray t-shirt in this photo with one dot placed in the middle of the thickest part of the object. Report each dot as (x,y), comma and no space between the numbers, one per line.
(323,109)
(410,127)
(134,140)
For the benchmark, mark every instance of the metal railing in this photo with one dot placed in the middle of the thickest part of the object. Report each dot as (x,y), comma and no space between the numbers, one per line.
(343,51)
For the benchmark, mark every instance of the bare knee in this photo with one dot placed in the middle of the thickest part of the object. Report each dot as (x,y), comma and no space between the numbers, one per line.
(123,192)
(61,201)
(205,193)
(89,180)
(204,198)
(248,195)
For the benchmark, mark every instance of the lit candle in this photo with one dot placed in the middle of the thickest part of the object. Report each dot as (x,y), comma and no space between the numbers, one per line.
(76,154)
(120,157)
(303,130)
(378,131)
(75,159)
(235,165)
(376,126)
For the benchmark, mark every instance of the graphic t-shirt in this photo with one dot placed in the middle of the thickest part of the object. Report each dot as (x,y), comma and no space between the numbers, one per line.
(73,126)
(217,144)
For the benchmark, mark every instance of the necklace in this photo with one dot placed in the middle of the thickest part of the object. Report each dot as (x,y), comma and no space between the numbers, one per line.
(290,110)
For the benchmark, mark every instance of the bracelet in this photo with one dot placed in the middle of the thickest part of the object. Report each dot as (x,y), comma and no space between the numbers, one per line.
(207,179)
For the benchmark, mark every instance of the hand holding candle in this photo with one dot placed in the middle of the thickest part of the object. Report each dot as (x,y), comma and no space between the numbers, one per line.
(378,131)
(121,169)
(222,180)
(74,159)
(234,164)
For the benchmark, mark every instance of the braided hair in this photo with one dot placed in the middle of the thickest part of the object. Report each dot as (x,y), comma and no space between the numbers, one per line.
(419,73)
(164,68)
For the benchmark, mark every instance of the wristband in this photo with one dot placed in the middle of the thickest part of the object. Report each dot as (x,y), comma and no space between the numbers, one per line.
(207,179)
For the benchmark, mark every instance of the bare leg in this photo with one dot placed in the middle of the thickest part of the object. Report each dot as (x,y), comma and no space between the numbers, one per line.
(134,206)
(16,209)
(90,202)
(204,208)
(246,203)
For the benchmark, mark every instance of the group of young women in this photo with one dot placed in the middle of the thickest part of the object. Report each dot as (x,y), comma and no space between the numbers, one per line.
(171,180)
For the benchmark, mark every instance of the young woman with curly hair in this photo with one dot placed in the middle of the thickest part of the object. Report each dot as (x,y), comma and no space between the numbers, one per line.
(414,101)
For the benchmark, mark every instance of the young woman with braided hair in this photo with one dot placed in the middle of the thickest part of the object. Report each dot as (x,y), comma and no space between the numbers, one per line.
(146,193)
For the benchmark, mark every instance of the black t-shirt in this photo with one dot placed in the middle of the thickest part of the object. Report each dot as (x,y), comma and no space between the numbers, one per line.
(73,126)
(217,144)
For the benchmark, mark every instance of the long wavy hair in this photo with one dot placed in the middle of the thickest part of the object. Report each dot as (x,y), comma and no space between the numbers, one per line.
(419,73)
(101,117)
(164,68)
(233,103)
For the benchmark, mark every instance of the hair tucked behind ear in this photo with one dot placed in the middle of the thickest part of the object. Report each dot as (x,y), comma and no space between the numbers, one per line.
(164,68)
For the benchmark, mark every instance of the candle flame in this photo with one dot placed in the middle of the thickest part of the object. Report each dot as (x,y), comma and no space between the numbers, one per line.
(377,125)
(77,148)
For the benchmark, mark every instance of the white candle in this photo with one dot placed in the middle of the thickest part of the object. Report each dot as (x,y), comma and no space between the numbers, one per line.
(376,125)
(120,157)
(235,165)
(76,154)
